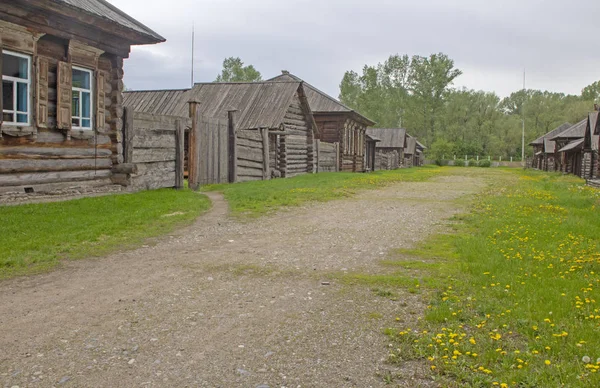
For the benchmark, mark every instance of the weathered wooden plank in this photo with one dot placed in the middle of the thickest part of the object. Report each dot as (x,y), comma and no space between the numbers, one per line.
(10,166)
(153,155)
(249,164)
(154,140)
(53,152)
(249,134)
(128,133)
(266,170)
(194,147)
(53,187)
(233,139)
(150,168)
(245,171)
(51,177)
(179,155)
(250,143)
(250,154)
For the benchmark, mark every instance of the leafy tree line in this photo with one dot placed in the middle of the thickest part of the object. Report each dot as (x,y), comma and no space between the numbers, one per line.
(417,94)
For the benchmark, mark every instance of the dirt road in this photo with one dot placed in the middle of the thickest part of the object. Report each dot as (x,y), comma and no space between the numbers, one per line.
(229,304)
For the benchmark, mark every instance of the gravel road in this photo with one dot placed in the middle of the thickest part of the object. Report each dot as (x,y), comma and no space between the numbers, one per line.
(225,303)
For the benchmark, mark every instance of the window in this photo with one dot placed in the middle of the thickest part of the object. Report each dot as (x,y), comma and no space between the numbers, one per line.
(16,81)
(81,115)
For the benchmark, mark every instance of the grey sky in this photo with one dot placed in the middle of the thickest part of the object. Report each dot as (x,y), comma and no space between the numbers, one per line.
(318,40)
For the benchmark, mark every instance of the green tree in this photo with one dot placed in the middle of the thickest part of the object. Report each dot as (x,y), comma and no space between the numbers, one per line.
(591,92)
(235,71)
(429,81)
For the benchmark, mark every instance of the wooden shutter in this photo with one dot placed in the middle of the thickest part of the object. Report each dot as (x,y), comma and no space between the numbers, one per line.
(100,105)
(42,92)
(64,92)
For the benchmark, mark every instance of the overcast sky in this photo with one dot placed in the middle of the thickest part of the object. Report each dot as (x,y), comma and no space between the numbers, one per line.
(555,41)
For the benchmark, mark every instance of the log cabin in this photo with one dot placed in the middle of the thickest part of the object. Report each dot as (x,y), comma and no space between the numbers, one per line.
(410,152)
(389,152)
(590,164)
(569,145)
(544,152)
(62,83)
(337,124)
(279,107)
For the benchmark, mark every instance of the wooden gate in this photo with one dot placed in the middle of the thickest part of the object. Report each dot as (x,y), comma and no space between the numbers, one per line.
(212,150)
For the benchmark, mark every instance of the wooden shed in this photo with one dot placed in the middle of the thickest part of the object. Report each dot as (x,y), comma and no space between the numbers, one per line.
(569,145)
(590,163)
(62,83)
(389,153)
(279,108)
(337,124)
(544,149)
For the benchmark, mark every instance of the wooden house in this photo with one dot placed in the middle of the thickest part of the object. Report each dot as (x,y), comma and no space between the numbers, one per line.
(420,154)
(410,152)
(62,83)
(390,149)
(570,148)
(370,153)
(590,163)
(544,149)
(281,108)
(337,124)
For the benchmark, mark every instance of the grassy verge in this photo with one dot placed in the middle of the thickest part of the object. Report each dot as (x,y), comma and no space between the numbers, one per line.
(35,238)
(515,302)
(260,197)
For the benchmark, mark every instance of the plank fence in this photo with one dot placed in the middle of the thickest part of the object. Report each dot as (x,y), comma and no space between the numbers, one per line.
(327,156)
(153,152)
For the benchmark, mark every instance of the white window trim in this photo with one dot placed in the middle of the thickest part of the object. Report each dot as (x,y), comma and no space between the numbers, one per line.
(80,90)
(16,80)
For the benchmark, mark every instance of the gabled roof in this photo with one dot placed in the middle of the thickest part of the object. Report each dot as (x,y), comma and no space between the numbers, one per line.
(576,131)
(555,132)
(420,146)
(390,137)
(411,145)
(259,104)
(592,132)
(104,10)
(574,145)
(321,102)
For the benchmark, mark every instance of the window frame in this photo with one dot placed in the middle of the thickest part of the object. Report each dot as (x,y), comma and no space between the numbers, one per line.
(80,91)
(15,81)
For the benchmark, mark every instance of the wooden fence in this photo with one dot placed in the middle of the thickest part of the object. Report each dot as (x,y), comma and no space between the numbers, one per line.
(327,156)
(153,151)
(387,160)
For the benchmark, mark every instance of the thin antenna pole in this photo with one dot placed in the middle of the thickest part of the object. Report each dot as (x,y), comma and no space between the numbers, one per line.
(523,112)
(193,36)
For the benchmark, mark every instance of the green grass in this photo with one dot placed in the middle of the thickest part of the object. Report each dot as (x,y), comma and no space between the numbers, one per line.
(35,238)
(252,199)
(517,299)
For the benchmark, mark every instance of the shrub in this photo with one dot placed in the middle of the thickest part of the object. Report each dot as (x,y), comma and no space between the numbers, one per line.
(460,163)
(485,163)
(473,163)
(441,162)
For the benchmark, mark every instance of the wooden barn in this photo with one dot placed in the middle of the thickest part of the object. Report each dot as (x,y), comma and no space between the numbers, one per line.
(337,124)
(410,152)
(389,153)
(62,83)
(544,149)
(590,163)
(274,125)
(569,145)
(420,154)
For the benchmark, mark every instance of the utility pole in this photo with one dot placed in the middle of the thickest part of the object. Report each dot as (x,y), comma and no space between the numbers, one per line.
(193,36)
(523,112)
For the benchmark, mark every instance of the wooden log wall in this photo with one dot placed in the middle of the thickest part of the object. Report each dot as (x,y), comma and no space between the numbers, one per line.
(586,165)
(299,140)
(153,145)
(46,159)
(595,165)
(250,157)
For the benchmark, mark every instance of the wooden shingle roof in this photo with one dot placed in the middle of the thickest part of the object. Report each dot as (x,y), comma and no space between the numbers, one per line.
(259,104)
(576,131)
(321,102)
(411,145)
(106,11)
(389,137)
(555,132)
(572,146)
